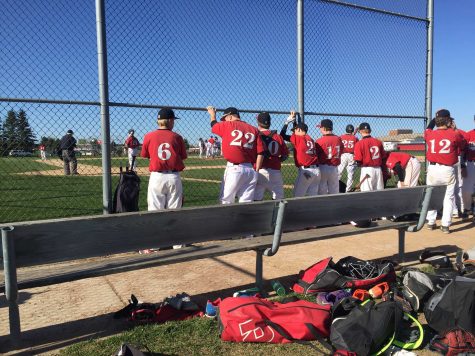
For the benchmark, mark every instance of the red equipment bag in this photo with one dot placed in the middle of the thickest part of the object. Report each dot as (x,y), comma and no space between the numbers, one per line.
(454,342)
(252,319)
(349,272)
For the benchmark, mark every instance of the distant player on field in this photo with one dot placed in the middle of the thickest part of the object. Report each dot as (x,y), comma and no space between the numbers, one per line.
(132,144)
(349,140)
(241,145)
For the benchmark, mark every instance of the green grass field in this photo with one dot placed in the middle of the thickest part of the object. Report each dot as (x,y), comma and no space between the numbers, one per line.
(27,196)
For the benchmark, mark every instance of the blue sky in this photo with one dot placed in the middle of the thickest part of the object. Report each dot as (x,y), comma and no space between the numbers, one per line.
(233,53)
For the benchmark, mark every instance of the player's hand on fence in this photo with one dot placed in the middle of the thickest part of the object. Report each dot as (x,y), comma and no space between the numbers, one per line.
(211,111)
(291,118)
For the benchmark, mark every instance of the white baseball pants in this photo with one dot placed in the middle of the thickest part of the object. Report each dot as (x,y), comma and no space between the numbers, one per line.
(413,171)
(132,152)
(307,182)
(165,191)
(346,161)
(329,180)
(271,180)
(239,180)
(468,187)
(374,181)
(438,174)
(459,181)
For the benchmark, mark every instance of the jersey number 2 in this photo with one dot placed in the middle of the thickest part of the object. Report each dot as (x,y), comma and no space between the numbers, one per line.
(445,146)
(238,134)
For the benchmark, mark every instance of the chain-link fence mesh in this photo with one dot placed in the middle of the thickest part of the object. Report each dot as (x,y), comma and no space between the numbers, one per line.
(360,65)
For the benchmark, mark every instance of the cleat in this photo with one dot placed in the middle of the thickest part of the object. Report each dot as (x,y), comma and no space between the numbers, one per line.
(431,226)
(445,229)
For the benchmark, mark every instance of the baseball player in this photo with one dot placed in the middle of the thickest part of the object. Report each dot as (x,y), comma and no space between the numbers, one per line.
(132,144)
(369,153)
(306,157)
(406,167)
(458,209)
(468,171)
(202,147)
(67,146)
(443,146)
(332,147)
(209,147)
(166,151)
(268,165)
(241,145)
(42,152)
(346,161)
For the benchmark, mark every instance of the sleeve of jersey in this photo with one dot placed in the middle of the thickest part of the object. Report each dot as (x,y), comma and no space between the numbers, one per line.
(144,152)
(217,129)
(261,147)
(358,156)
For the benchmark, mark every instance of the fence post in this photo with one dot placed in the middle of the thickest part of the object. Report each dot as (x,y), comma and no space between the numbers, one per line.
(11,287)
(104,99)
(430,45)
(300,60)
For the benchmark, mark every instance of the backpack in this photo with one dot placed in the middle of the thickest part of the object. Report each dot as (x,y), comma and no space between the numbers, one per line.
(348,272)
(452,307)
(453,342)
(126,195)
(253,319)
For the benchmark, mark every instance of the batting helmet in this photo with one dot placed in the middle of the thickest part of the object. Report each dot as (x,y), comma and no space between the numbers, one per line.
(350,128)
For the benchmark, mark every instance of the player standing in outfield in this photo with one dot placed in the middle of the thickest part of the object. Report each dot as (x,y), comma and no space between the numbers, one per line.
(349,140)
(241,144)
(332,148)
(166,151)
(306,157)
(443,146)
(468,171)
(369,154)
(209,147)
(132,144)
(201,146)
(42,152)
(406,167)
(268,165)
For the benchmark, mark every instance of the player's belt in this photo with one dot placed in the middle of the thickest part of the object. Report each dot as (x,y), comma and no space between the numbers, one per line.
(311,166)
(167,171)
(440,164)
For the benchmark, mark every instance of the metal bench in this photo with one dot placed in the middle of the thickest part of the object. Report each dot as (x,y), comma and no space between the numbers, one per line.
(102,245)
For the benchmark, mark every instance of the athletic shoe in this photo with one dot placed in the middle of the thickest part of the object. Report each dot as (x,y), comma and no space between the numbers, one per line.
(463,215)
(212,307)
(176,247)
(431,226)
(445,229)
(331,298)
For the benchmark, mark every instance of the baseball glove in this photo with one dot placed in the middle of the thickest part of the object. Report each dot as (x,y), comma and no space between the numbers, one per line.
(454,342)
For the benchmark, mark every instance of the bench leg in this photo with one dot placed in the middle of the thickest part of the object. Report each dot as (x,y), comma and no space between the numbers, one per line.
(259,270)
(402,235)
(11,287)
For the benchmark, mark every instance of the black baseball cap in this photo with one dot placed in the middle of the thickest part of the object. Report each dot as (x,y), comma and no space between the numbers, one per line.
(443,113)
(70,132)
(230,111)
(131,131)
(166,114)
(301,126)
(364,126)
(326,123)
(263,118)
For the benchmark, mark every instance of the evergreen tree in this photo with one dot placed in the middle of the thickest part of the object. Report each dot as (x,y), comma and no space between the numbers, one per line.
(25,134)
(50,143)
(10,131)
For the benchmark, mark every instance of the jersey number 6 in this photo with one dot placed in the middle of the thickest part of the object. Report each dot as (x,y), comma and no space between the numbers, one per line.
(163,153)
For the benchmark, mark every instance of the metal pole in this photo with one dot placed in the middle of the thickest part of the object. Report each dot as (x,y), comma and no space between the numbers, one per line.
(430,48)
(300,62)
(104,99)
(11,287)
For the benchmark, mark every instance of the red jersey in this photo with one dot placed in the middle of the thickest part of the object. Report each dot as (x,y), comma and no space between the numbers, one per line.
(443,146)
(132,142)
(332,148)
(349,142)
(241,142)
(369,151)
(306,151)
(470,147)
(42,148)
(395,157)
(212,141)
(166,150)
(276,148)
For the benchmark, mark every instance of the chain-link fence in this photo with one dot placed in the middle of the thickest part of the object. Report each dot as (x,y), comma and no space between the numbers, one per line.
(364,61)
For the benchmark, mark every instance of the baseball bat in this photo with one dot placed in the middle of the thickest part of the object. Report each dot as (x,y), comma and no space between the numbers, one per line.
(359,184)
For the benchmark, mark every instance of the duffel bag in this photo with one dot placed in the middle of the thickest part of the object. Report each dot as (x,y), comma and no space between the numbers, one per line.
(253,319)
(348,272)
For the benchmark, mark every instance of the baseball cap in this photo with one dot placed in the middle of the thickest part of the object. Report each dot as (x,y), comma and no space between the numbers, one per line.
(166,114)
(131,131)
(263,118)
(443,113)
(70,132)
(326,123)
(230,111)
(364,126)
(350,128)
(301,126)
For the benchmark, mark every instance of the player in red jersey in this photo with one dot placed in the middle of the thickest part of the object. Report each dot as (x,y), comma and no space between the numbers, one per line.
(166,151)
(346,161)
(268,165)
(443,147)
(369,153)
(406,167)
(468,171)
(306,157)
(332,148)
(42,152)
(132,144)
(458,209)
(241,144)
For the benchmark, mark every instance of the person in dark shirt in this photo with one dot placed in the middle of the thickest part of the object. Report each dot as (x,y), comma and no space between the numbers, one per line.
(66,146)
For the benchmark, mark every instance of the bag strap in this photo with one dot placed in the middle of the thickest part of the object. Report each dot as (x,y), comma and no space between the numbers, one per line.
(411,345)
(312,330)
